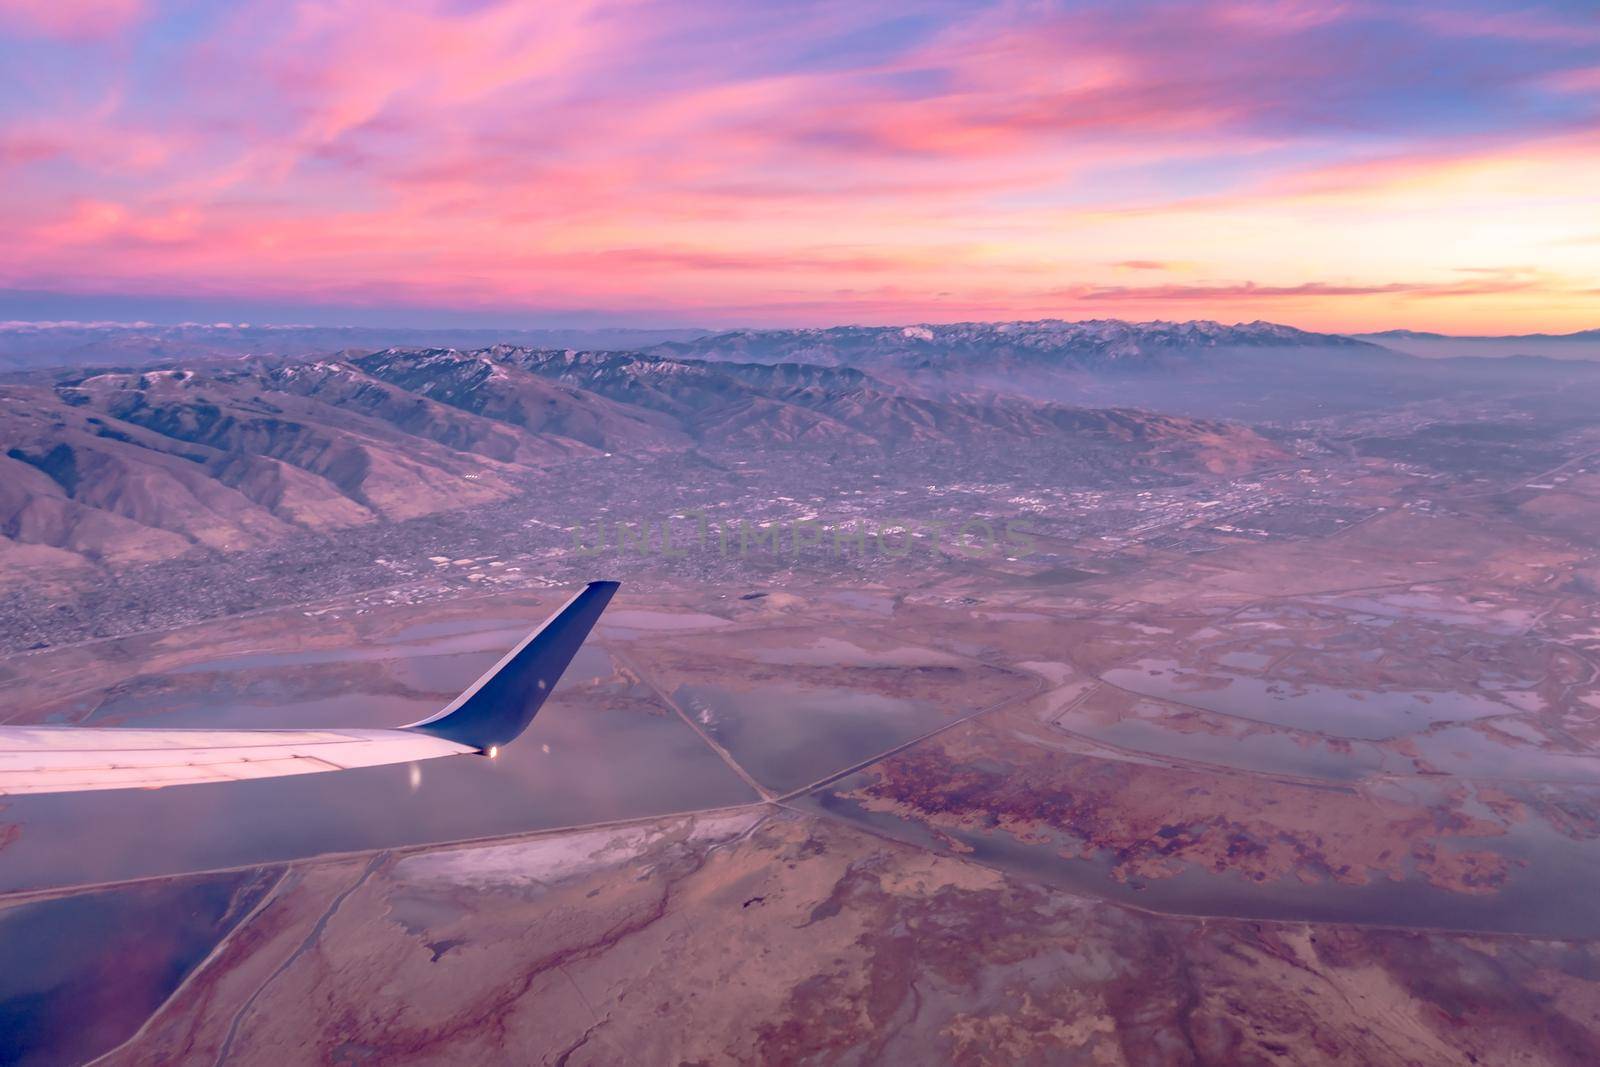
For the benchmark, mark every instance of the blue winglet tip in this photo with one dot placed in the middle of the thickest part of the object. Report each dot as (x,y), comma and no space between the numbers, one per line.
(498,706)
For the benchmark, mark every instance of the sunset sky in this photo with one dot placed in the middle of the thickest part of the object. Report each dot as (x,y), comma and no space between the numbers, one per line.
(1345,166)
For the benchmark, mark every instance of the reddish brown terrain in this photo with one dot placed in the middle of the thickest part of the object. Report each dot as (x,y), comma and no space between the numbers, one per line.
(756,936)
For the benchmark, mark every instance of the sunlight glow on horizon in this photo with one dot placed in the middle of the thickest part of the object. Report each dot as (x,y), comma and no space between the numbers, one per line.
(1343,166)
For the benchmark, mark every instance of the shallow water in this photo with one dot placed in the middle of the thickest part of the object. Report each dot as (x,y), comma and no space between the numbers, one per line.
(449,627)
(576,764)
(502,638)
(1552,896)
(1458,749)
(834,652)
(1259,752)
(877,603)
(1468,752)
(661,620)
(788,736)
(79,974)
(1355,713)
(1448,609)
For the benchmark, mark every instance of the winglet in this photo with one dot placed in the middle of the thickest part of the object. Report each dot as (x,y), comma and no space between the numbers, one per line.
(501,704)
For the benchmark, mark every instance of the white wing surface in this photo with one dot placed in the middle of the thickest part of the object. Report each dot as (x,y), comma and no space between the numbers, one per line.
(66,759)
(492,711)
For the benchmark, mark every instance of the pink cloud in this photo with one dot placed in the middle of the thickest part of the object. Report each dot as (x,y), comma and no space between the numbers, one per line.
(651,153)
(71,19)
(85,141)
(1281,16)
(1510,24)
(1583,80)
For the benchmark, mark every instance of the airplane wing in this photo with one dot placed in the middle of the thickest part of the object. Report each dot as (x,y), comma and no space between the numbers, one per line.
(493,710)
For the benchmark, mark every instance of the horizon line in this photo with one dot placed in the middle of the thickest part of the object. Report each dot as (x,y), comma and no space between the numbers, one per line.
(19,325)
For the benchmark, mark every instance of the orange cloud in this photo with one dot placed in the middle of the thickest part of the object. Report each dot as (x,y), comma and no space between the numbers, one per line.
(1257,291)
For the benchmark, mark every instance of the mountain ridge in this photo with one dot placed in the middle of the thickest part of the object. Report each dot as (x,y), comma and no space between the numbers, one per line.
(136,465)
(30,345)
(1088,343)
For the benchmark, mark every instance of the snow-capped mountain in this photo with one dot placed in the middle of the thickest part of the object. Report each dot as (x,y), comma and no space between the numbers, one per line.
(969,345)
(26,345)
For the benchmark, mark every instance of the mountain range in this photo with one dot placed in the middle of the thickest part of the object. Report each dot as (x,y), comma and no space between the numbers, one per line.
(224,451)
(1417,335)
(1582,345)
(1097,343)
(123,466)
(30,345)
